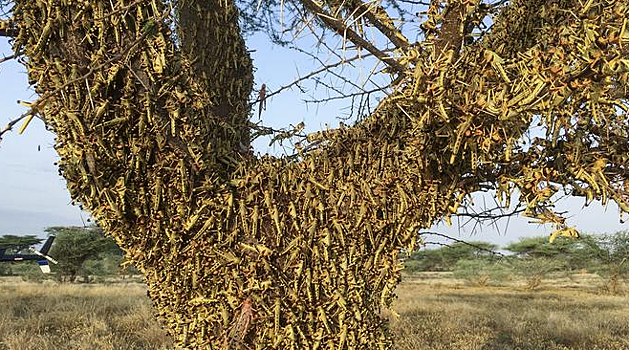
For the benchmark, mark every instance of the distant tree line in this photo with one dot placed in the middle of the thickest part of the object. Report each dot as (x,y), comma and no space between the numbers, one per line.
(605,254)
(83,254)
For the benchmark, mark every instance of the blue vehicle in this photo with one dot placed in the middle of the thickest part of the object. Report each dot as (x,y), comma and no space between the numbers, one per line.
(41,256)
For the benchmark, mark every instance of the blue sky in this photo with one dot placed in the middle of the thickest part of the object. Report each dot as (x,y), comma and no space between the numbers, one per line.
(33,196)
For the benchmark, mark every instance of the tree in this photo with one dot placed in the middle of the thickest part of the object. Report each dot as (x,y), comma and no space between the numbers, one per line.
(445,258)
(612,250)
(18,243)
(15,244)
(575,254)
(540,247)
(74,246)
(593,252)
(618,246)
(151,117)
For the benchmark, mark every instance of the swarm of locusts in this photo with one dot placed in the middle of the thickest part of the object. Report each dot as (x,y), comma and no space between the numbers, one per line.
(243,252)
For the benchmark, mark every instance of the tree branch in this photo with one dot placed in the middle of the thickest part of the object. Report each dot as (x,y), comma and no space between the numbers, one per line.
(378,17)
(487,215)
(344,96)
(12,123)
(451,32)
(11,57)
(37,104)
(228,95)
(462,242)
(310,75)
(341,29)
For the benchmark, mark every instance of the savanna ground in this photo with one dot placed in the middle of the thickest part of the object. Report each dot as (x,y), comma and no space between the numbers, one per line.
(435,312)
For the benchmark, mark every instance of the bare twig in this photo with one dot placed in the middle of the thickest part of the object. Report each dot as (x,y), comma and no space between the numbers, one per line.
(344,96)
(488,215)
(340,76)
(310,75)
(11,57)
(12,123)
(361,89)
(478,247)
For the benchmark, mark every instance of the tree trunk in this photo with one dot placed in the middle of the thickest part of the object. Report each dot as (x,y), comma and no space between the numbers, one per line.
(237,252)
(153,135)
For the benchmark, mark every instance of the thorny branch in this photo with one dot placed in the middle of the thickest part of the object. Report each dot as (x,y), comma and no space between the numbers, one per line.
(323,69)
(12,123)
(487,214)
(342,78)
(415,2)
(11,57)
(341,29)
(377,16)
(460,241)
(261,130)
(344,96)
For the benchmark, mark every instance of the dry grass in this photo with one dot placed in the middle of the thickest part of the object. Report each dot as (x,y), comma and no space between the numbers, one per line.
(73,317)
(440,317)
(435,316)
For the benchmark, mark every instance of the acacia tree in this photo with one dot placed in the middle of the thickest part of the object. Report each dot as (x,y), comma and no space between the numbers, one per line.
(76,245)
(18,243)
(149,102)
(15,244)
